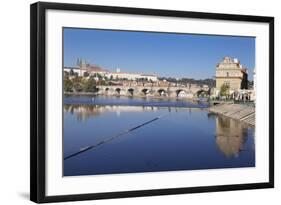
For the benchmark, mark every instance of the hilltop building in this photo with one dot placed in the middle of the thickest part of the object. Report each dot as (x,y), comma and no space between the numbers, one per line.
(85,69)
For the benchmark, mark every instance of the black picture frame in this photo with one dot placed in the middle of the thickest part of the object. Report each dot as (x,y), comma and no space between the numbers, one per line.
(38,101)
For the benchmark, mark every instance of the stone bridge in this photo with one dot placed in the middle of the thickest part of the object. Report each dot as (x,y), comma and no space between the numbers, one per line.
(146,91)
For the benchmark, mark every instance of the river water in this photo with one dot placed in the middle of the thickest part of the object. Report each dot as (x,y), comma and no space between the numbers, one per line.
(165,136)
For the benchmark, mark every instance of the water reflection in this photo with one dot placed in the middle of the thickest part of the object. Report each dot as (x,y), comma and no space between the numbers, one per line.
(130,101)
(231,136)
(84,112)
(183,139)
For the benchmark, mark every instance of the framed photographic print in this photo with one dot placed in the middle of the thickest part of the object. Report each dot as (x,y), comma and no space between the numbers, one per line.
(129,102)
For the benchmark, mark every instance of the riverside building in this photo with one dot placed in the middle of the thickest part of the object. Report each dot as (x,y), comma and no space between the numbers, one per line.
(231,72)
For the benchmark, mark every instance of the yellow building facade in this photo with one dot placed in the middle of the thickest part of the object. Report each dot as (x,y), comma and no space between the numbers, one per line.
(230,72)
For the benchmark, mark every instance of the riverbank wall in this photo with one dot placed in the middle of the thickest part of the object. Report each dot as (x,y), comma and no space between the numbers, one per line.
(242,112)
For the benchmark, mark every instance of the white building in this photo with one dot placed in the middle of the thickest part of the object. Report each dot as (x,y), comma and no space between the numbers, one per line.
(130,76)
(85,69)
(74,70)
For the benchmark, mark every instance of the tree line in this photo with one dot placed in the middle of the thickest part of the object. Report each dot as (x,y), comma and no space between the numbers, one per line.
(210,82)
(80,84)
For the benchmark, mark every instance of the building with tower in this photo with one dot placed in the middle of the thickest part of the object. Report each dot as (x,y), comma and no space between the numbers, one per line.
(231,72)
(83,68)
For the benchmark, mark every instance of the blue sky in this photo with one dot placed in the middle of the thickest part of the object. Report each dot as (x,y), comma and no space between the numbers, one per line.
(169,55)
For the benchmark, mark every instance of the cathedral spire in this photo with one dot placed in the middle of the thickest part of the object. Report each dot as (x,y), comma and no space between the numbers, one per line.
(77,62)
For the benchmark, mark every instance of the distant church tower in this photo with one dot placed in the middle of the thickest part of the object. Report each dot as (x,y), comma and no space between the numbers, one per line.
(81,63)
(229,71)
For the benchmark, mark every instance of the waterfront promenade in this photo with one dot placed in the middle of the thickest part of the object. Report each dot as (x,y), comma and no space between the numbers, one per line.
(242,112)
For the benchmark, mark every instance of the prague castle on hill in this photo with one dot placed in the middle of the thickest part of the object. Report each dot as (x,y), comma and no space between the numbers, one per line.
(85,69)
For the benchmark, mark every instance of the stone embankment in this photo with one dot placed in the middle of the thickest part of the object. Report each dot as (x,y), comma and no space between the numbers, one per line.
(244,113)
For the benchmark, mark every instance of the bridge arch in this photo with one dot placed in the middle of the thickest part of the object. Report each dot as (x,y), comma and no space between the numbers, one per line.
(145,91)
(96,90)
(131,91)
(202,93)
(162,92)
(106,90)
(118,91)
(181,93)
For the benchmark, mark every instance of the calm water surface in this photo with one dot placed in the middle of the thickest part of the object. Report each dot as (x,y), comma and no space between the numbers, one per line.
(185,137)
